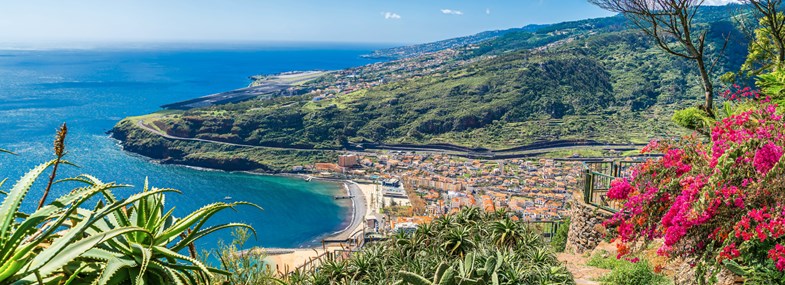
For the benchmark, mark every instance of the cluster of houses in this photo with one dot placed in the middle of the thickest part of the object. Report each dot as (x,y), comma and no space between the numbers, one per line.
(535,190)
(368,76)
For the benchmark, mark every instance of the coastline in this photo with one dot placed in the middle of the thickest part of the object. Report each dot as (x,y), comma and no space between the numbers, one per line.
(360,208)
(354,220)
(286,260)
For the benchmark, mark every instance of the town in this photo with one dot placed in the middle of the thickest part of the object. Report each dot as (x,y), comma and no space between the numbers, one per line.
(412,188)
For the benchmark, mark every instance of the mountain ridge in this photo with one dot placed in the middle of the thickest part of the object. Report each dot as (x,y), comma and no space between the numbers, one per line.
(586,79)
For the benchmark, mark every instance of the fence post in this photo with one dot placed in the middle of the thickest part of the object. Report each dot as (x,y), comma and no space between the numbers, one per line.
(587,185)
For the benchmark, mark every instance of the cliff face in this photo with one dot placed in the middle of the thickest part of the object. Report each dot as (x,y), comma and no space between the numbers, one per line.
(212,155)
(137,140)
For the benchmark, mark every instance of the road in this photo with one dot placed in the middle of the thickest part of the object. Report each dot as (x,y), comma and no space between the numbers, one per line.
(539,149)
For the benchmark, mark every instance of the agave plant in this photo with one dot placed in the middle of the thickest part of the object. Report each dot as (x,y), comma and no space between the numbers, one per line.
(119,241)
(466,248)
(506,232)
(153,256)
(35,247)
(458,241)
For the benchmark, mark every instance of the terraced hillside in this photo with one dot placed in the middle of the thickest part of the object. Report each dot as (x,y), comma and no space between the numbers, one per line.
(587,80)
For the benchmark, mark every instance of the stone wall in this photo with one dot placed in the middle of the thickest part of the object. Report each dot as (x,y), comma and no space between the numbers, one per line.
(586,230)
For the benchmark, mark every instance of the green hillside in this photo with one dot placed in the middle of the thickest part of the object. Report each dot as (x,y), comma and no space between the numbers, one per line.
(595,79)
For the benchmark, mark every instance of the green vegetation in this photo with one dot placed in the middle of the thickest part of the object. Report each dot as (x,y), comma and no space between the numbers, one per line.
(211,155)
(624,272)
(116,241)
(592,79)
(246,266)
(466,248)
(693,118)
(559,240)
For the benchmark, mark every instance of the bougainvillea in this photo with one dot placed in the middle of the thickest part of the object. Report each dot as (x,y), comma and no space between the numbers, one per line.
(714,201)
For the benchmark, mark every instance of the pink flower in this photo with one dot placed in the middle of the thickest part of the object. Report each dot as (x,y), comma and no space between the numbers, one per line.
(766,157)
(620,189)
(777,254)
(730,252)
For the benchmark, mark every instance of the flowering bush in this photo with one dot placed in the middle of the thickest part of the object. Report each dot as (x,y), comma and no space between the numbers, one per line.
(715,202)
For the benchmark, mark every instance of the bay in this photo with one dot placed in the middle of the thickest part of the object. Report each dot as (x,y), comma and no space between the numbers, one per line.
(91,90)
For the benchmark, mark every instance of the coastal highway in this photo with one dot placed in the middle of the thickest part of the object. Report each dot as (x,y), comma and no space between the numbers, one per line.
(531,150)
(145,127)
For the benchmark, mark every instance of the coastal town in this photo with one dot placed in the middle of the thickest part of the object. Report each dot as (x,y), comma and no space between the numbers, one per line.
(409,188)
(395,192)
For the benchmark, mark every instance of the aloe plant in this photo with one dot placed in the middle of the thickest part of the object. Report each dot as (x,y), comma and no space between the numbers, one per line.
(153,256)
(35,246)
(469,247)
(118,241)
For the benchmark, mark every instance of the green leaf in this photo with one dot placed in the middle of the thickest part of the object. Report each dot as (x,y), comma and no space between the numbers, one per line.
(736,268)
(413,278)
(12,202)
(449,277)
(198,216)
(147,255)
(46,266)
(439,272)
(193,236)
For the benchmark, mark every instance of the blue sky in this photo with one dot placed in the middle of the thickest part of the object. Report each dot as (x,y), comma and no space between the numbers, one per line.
(369,21)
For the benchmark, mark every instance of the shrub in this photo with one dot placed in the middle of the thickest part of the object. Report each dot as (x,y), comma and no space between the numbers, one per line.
(624,272)
(559,240)
(469,247)
(716,201)
(692,118)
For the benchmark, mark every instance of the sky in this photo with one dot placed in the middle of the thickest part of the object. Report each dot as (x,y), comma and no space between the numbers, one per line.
(356,21)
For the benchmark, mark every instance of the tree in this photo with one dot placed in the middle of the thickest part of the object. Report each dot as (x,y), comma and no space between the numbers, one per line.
(666,22)
(767,40)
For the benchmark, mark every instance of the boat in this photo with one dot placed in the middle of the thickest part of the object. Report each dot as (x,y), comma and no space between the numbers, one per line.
(228,198)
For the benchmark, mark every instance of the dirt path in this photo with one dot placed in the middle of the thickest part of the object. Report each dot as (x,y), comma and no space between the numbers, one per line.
(576,264)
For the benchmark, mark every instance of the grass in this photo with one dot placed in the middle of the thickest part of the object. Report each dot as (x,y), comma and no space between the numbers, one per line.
(624,272)
(150,119)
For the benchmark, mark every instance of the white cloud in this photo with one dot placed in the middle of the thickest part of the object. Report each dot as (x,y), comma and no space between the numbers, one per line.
(391,16)
(451,12)
(719,2)
(487,11)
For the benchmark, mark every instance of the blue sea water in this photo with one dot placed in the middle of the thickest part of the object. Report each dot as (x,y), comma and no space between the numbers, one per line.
(91,90)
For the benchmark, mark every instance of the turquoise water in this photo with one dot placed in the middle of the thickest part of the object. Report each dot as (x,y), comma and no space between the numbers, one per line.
(92,89)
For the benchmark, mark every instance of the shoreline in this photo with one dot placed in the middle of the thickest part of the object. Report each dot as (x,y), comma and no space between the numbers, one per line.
(352,226)
(285,260)
(360,208)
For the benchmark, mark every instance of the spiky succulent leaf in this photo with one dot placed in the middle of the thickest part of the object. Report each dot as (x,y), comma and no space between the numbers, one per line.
(413,278)
(14,199)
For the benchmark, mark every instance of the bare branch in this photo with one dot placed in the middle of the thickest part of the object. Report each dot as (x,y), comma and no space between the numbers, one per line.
(670,24)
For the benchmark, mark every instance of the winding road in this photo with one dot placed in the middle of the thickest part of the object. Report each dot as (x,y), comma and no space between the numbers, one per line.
(530,150)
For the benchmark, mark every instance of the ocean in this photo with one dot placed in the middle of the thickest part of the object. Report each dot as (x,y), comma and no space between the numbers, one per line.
(91,90)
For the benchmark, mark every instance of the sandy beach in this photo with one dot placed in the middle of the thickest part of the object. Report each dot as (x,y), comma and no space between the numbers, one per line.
(360,207)
(286,260)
